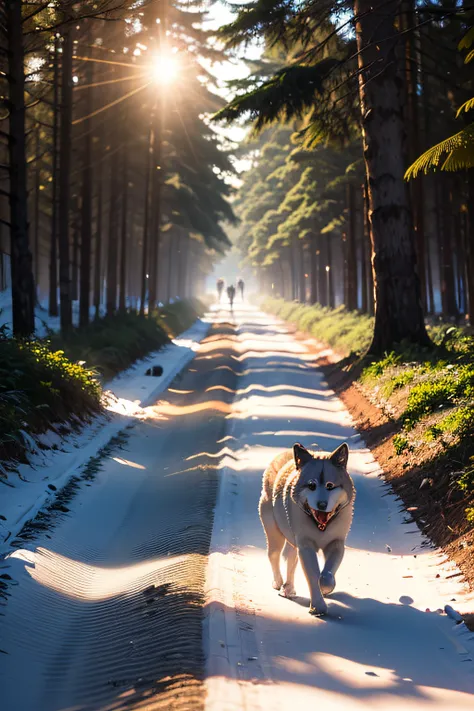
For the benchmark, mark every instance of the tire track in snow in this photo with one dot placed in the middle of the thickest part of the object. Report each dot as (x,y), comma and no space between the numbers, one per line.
(107,612)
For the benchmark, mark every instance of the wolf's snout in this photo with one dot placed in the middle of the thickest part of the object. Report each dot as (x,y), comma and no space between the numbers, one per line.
(322,505)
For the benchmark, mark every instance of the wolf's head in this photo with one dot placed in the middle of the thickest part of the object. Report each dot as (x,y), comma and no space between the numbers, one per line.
(323,486)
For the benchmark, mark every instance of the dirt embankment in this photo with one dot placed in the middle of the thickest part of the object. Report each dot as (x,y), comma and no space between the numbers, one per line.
(420,481)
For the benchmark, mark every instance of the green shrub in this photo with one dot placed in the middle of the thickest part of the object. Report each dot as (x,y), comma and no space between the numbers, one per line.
(39,387)
(428,396)
(398,382)
(400,444)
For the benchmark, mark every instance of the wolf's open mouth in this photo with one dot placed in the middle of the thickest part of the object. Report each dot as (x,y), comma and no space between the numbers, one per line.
(322,518)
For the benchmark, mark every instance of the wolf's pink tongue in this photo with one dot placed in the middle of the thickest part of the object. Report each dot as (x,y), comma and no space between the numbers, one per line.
(322,516)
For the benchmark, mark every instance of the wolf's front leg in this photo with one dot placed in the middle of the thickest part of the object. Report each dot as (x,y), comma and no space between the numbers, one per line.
(333,555)
(310,565)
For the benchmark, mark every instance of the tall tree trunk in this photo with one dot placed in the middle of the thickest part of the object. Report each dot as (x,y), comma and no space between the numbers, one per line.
(398,310)
(112,245)
(123,252)
(64,186)
(414,147)
(313,298)
(351,250)
(75,249)
(368,252)
(37,208)
(291,255)
(302,277)
(86,218)
(53,247)
(146,223)
(448,292)
(329,272)
(470,249)
(98,244)
(364,247)
(23,287)
(155,236)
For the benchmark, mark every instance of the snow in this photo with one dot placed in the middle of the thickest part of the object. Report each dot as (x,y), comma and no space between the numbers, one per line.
(129,394)
(44,323)
(386,643)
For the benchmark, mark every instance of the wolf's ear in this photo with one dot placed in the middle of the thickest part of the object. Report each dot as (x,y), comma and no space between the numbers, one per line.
(302,456)
(340,456)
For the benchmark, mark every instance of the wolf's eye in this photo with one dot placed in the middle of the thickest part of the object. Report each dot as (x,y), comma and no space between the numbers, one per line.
(311,485)
(329,486)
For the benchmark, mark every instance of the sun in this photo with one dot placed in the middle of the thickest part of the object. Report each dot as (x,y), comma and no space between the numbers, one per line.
(165,68)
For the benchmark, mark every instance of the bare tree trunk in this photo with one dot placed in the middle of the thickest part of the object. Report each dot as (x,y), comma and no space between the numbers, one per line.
(364,247)
(301,271)
(351,252)
(414,148)
(398,310)
(123,253)
(368,252)
(86,219)
(448,293)
(470,249)
(64,186)
(146,222)
(98,244)
(314,268)
(37,208)
(155,236)
(53,248)
(23,287)
(112,246)
(75,248)
(329,272)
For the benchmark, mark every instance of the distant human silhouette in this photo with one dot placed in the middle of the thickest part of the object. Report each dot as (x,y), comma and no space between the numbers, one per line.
(240,286)
(220,287)
(231,294)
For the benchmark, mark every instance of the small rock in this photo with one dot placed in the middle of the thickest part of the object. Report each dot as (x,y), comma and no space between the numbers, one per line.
(155,371)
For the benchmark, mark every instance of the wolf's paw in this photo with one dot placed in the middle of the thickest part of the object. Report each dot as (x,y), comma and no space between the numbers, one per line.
(277,584)
(288,590)
(319,611)
(327,583)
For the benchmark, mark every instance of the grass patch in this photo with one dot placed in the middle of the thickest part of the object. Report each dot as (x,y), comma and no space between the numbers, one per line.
(55,383)
(345,331)
(39,387)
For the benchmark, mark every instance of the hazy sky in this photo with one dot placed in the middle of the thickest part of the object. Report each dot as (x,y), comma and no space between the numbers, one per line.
(237,69)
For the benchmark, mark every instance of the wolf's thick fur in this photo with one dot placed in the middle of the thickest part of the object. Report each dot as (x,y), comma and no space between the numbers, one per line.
(306,506)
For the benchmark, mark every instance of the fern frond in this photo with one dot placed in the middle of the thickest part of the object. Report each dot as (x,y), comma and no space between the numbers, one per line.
(467,40)
(460,149)
(467,106)
(469,57)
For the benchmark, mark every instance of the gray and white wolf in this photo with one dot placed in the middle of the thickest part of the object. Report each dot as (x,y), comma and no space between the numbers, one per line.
(306,507)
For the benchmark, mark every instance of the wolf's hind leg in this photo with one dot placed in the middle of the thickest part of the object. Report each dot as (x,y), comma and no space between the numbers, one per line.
(275,540)
(333,555)
(290,554)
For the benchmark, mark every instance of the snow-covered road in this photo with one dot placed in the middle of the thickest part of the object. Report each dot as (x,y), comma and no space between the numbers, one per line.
(104,609)
(379,647)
